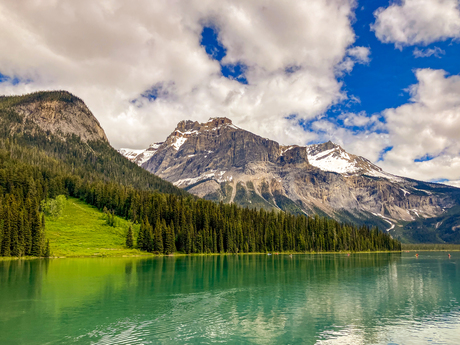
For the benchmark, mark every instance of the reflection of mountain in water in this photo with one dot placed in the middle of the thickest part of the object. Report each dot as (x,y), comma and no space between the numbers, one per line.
(366,298)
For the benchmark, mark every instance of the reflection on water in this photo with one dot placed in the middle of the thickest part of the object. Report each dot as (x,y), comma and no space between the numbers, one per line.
(308,299)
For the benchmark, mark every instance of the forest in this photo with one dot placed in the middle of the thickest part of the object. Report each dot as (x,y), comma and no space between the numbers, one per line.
(169,222)
(36,166)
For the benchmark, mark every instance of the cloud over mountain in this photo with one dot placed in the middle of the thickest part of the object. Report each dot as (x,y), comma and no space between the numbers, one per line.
(140,66)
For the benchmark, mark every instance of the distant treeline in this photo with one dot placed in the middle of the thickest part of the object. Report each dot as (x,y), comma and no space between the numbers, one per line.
(428,246)
(168,222)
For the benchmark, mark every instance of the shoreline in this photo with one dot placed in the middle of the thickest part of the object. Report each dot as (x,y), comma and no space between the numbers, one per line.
(151,255)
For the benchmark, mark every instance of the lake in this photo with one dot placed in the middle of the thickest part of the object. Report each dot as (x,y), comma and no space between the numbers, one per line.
(260,299)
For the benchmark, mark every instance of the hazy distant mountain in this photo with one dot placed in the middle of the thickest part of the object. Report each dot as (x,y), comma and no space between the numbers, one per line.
(218,161)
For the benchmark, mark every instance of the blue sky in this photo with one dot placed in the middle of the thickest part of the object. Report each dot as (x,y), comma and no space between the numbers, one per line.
(381,78)
(382,83)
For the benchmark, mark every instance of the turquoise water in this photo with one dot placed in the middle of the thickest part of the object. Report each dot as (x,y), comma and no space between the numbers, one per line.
(260,299)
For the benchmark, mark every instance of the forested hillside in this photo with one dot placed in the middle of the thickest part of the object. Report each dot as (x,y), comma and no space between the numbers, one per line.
(36,165)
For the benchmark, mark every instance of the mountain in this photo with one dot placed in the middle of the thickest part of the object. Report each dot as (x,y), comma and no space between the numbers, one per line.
(219,161)
(59,113)
(52,147)
(59,125)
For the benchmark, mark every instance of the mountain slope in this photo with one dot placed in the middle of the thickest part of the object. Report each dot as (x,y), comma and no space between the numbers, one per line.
(59,113)
(39,162)
(58,124)
(218,161)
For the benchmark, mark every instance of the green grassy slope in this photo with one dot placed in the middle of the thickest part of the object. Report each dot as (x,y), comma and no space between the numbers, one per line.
(81,230)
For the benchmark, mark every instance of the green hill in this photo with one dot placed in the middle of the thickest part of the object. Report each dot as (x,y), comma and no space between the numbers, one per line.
(82,230)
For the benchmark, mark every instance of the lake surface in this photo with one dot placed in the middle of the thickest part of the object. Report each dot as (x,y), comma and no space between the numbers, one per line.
(260,299)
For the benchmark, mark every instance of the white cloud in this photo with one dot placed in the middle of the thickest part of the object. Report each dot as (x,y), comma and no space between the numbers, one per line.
(361,54)
(426,129)
(360,134)
(436,51)
(418,22)
(423,133)
(453,183)
(110,52)
(361,120)
(354,55)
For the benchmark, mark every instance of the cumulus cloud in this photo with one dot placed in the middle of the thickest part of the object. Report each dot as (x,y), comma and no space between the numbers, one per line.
(362,120)
(417,22)
(112,52)
(425,132)
(419,139)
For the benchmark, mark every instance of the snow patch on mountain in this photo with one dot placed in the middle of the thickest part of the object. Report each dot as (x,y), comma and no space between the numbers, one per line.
(333,160)
(178,142)
(332,157)
(140,156)
(131,154)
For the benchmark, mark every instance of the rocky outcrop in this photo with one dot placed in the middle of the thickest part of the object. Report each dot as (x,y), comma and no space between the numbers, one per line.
(56,112)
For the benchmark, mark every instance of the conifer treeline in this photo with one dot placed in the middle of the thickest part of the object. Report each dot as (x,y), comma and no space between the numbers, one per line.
(36,165)
(168,222)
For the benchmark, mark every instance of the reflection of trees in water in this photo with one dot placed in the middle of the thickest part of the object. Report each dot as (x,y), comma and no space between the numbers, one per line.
(20,288)
(302,295)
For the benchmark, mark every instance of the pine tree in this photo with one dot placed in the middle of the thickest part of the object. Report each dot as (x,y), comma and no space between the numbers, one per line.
(130,238)
(6,240)
(140,237)
(38,238)
(148,236)
(169,244)
(158,238)
(47,252)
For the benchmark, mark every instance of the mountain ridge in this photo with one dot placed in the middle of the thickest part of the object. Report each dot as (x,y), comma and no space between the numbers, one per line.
(219,161)
(38,166)
(57,112)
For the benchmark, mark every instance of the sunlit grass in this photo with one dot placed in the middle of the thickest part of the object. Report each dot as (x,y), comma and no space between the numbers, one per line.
(81,230)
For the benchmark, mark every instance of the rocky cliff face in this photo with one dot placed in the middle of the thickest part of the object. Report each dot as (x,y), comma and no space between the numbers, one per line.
(217,160)
(57,112)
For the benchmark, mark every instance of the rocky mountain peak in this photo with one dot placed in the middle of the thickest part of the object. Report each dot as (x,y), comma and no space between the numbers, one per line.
(215,122)
(58,112)
(192,126)
(219,161)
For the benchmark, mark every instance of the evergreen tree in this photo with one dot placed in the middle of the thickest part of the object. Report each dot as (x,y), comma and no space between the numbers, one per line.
(130,238)
(141,236)
(148,235)
(6,240)
(169,243)
(158,238)
(47,252)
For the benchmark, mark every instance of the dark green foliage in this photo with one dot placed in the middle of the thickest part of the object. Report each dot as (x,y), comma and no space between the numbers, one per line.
(169,240)
(41,167)
(63,96)
(16,238)
(130,238)
(145,239)
(158,238)
(431,246)
(47,253)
